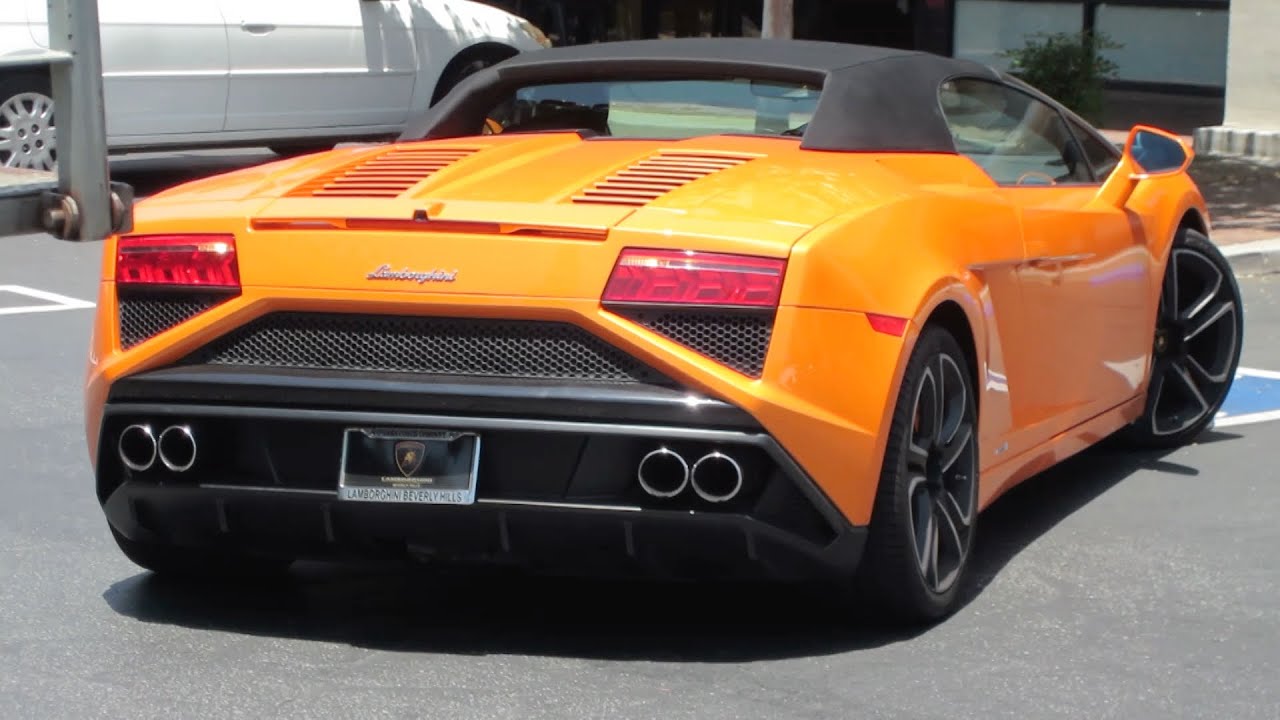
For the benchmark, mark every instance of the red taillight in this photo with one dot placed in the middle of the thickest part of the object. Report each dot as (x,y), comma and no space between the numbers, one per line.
(685,277)
(205,261)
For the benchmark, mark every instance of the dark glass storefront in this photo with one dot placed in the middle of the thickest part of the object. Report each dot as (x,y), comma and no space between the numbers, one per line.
(913,24)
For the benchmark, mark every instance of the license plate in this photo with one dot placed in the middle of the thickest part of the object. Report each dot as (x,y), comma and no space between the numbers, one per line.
(429,467)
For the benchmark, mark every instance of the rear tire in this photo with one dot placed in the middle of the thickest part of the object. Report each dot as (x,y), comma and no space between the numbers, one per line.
(467,64)
(199,563)
(1198,338)
(926,509)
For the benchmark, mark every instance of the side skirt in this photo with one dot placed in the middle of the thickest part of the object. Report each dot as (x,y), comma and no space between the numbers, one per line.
(1003,477)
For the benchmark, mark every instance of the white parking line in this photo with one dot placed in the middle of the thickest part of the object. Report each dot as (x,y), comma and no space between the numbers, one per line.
(52,301)
(1268,374)
(1249,248)
(1248,419)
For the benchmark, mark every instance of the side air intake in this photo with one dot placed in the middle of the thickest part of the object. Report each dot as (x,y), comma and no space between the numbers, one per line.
(657,175)
(386,175)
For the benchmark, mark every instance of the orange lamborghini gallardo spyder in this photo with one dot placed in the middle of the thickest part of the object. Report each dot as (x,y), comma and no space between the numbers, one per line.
(698,308)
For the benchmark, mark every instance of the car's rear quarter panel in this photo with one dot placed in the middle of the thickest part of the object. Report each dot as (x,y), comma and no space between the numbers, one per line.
(952,241)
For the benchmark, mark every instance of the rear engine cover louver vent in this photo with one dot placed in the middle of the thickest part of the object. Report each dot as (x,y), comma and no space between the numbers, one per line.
(386,175)
(655,176)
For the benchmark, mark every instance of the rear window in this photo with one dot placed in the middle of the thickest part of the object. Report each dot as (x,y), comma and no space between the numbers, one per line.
(659,108)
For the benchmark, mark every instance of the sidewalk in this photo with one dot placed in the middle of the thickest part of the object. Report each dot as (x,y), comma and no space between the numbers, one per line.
(1243,195)
(1243,198)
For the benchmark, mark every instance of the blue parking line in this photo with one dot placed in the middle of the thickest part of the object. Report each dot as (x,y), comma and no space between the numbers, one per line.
(1253,398)
(1251,394)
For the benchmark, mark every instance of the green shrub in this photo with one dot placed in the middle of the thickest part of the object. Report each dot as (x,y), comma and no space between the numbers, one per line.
(1069,67)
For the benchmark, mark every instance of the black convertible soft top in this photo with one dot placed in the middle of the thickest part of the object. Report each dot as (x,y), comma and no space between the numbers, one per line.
(873,99)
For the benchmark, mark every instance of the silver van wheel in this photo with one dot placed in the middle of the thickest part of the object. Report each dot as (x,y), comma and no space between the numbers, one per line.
(28,137)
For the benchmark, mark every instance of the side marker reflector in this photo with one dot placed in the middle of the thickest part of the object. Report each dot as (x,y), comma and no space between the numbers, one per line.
(887,324)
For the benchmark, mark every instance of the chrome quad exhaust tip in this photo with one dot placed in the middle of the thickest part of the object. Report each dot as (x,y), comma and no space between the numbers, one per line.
(137,447)
(663,473)
(177,448)
(716,477)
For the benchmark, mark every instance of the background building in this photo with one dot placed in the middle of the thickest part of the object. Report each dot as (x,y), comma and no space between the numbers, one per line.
(1173,45)
(921,24)
(1172,63)
(1251,125)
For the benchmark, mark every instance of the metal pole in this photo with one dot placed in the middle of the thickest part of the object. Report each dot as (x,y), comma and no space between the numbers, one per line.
(779,18)
(86,208)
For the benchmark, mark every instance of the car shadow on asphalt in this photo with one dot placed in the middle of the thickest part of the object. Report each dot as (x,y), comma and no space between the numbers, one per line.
(392,608)
(1035,507)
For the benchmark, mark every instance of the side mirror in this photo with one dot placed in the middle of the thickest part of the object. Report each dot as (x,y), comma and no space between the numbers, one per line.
(1156,152)
(1148,153)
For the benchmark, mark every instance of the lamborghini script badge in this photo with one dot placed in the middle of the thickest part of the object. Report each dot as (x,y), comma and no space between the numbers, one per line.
(409,456)
(419,276)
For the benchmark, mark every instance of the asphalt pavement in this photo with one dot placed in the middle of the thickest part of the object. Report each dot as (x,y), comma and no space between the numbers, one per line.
(1119,585)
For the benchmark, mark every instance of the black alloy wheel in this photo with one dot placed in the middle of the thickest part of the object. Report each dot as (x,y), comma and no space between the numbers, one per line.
(925,515)
(466,64)
(1196,349)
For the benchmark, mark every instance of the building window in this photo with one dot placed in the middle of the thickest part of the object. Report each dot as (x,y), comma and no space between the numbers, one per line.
(986,28)
(1168,45)
(1164,42)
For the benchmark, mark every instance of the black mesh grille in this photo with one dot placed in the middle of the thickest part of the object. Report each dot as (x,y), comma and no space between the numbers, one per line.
(145,315)
(739,340)
(441,346)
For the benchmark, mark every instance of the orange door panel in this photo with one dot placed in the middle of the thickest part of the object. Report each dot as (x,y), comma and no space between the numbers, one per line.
(1085,283)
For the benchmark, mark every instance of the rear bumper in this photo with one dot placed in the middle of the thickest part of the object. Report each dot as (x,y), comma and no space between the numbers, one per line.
(556,490)
(579,540)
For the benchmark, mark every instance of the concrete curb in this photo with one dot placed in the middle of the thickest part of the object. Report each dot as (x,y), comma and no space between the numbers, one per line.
(1260,257)
(1238,142)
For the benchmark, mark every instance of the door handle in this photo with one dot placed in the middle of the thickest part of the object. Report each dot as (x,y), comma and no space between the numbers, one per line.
(257,28)
(1053,260)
